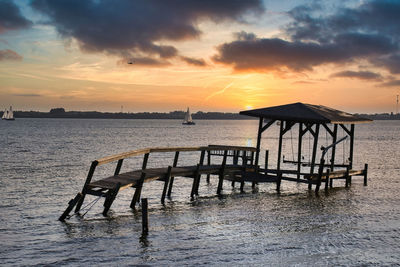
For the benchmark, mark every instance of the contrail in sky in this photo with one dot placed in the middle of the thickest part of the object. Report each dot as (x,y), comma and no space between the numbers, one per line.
(219,92)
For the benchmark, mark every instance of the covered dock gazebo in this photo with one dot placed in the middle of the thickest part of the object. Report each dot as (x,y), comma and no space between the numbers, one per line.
(309,118)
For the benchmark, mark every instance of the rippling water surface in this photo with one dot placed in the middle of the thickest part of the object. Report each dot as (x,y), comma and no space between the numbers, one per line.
(44,162)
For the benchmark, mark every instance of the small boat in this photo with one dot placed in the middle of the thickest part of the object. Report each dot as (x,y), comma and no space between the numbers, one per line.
(8,115)
(188,118)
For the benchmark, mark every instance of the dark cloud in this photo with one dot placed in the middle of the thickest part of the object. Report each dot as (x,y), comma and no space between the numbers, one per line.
(393,83)
(392,63)
(368,32)
(194,61)
(135,28)
(11,17)
(8,54)
(265,54)
(143,61)
(376,16)
(28,95)
(363,75)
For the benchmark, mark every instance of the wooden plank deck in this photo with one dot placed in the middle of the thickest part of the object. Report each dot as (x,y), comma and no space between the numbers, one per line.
(130,179)
(334,175)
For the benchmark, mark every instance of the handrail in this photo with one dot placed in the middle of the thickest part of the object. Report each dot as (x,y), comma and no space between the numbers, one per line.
(222,147)
(143,151)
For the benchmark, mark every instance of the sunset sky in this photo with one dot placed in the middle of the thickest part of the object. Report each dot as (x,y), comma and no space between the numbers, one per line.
(211,55)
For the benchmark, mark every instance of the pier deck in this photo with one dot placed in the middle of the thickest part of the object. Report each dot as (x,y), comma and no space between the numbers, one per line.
(241,169)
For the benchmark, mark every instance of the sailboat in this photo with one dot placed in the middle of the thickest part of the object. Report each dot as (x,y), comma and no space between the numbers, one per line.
(8,115)
(188,118)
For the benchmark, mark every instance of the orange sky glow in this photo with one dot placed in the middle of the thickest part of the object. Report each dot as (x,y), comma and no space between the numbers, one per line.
(55,69)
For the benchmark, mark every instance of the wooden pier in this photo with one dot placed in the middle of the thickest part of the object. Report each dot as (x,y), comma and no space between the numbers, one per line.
(236,163)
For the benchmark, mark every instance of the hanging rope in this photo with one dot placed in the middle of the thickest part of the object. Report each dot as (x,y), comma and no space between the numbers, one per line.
(91,204)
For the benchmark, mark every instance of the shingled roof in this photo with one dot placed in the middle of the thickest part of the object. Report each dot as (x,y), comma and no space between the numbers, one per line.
(300,112)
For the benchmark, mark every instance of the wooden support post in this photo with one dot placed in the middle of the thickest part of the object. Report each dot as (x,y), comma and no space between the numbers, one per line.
(171,182)
(351,147)
(118,168)
(87,182)
(166,182)
(111,195)
(244,164)
(208,163)
(145,218)
(198,175)
(320,172)
(278,182)
(365,174)
(266,160)
(315,145)
(260,130)
(299,160)
(235,162)
(327,180)
(334,138)
(278,167)
(347,176)
(314,153)
(71,205)
(193,192)
(253,184)
(222,173)
(138,191)
(330,182)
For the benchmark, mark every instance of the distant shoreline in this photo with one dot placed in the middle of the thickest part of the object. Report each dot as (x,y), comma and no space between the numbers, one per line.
(178,115)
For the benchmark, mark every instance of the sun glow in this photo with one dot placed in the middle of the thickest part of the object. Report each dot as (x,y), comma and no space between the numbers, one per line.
(248,107)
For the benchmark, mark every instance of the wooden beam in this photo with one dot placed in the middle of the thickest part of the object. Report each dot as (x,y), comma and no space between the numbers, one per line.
(266,159)
(118,168)
(259,139)
(328,129)
(87,182)
(314,152)
(266,126)
(299,150)
(166,182)
(351,147)
(334,138)
(280,146)
(288,126)
(222,174)
(136,196)
(171,182)
(345,129)
(197,175)
(111,195)
(208,163)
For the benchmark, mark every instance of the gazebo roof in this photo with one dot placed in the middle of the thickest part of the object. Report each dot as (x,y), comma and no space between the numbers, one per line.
(300,112)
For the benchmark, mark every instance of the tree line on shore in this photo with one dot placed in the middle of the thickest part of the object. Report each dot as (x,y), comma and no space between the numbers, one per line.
(179,115)
(61,113)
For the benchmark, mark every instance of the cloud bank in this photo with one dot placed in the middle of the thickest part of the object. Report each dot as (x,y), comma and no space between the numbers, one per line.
(11,17)
(368,32)
(8,54)
(135,29)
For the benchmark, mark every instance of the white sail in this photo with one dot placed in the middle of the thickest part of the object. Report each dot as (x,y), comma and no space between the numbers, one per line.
(10,114)
(188,118)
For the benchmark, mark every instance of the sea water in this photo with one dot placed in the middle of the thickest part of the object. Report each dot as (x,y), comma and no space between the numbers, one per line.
(44,163)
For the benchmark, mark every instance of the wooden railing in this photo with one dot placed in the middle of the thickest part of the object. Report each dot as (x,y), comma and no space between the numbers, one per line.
(143,151)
